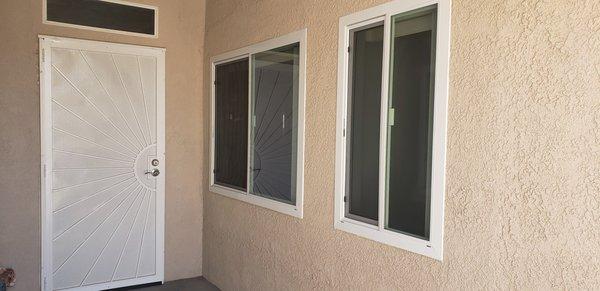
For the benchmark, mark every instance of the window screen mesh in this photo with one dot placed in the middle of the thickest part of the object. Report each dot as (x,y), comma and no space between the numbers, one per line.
(363,125)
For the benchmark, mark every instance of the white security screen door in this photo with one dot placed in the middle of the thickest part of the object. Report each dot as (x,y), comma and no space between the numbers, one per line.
(102,164)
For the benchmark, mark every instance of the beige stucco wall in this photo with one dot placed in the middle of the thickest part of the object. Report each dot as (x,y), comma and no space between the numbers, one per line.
(181,31)
(523,163)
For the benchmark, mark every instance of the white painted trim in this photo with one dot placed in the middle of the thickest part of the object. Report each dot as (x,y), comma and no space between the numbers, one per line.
(383,124)
(250,120)
(246,52)
(46,158)
(46,43)
(434,247)
(85,27)
(161,153)
(117,48)
(284,208)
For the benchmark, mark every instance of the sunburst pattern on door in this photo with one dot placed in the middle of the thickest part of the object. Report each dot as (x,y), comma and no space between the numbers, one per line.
(104,136)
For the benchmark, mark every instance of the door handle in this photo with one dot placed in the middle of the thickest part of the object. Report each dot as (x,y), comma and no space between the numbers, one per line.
(154,172)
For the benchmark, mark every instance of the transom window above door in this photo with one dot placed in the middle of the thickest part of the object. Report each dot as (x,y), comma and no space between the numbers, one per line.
(257,123)
(391,124)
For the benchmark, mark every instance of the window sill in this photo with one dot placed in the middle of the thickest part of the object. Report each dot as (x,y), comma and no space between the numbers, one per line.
(395,239)
(281,207)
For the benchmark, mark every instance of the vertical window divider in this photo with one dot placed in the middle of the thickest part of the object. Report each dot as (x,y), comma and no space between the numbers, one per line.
(382,202)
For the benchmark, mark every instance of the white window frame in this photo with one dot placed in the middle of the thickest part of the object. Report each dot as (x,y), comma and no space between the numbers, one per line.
(383,13)
(247,52)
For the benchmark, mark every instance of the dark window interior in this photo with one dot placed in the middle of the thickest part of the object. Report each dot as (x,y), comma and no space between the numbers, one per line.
(231,124)
(102,14)
(409,149)
(363,124)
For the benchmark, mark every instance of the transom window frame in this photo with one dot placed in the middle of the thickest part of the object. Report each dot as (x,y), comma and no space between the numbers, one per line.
(107,30)
(295,210)
(384,13)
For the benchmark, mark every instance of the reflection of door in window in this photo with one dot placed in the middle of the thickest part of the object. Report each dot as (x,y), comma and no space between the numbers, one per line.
(275,82)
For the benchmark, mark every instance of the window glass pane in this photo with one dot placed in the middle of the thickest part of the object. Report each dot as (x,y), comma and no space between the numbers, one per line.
(275,123)
(231,124)
(102,14)
(410,131)
(362,128)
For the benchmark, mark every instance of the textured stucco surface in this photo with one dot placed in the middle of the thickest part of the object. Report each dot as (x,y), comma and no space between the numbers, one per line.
(181,31)
(523,162)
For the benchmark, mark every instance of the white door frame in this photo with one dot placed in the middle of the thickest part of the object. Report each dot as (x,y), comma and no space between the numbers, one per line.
(46,43)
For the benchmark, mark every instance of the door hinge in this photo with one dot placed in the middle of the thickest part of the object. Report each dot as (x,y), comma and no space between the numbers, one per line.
(348,48)
(43,52)
(345,199)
